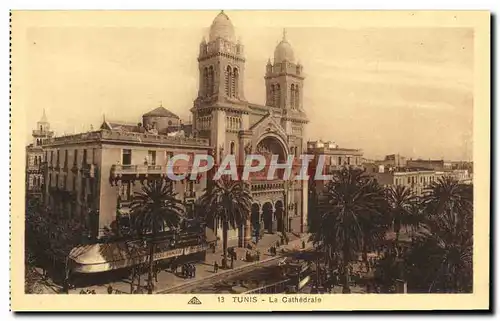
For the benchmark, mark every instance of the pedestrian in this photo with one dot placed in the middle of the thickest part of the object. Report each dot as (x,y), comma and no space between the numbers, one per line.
(303,244)
(110,289)
(194,271)
(232,262)
(216,267)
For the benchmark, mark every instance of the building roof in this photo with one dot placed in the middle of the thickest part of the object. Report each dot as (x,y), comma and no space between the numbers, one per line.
(112,125)
(284,51)
(160,112)
(222,28)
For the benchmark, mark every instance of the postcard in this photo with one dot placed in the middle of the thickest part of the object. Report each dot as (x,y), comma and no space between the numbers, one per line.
(250,160)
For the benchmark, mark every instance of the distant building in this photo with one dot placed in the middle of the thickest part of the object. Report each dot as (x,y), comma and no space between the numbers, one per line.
(417,179)
(395,160)
(35,157)
(437,165)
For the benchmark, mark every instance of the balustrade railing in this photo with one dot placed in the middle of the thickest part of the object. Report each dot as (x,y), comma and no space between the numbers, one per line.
(130,137)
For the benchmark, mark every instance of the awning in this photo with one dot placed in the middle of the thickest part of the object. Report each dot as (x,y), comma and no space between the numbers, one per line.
(96,258)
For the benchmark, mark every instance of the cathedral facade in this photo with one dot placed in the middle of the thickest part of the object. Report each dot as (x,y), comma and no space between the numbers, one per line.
(235,126)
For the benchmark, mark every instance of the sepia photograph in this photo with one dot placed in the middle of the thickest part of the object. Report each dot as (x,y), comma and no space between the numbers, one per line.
(250,160)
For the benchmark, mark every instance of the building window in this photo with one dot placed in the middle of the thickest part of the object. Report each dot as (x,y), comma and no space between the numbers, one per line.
(75,157)
(124,192)
(84,160)
(228,81)
(206,81)
(340,162)
(277,96)
(211,82)
(292,96)
(65,158)
(152,157)
(127,157)
(234,85)
(231,148)
(348,161)
(271,96)
(409,180)
(58,159)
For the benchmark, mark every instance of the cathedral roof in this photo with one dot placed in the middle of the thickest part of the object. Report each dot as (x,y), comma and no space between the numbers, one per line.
(284,51)
(222,28)
(160,112)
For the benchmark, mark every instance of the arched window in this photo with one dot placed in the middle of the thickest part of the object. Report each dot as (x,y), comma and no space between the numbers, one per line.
(211,77)
(271,96)
(228,81)
(36,160)
(277,96)
(297,96)
(205,81)
(292,96)
(41,128)
(231,148)
(235,79)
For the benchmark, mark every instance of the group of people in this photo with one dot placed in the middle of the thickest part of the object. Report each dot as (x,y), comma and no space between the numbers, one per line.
(188,271)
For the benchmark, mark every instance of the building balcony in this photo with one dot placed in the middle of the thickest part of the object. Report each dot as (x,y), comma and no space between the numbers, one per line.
(120,170)
(267,186)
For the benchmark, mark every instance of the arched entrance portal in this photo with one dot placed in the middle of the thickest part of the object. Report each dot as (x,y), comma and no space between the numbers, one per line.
(267,213)
(268,147)
(255,220)
(280,216)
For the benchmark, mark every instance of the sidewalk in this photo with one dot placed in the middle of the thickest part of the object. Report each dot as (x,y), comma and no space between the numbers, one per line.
(168,282)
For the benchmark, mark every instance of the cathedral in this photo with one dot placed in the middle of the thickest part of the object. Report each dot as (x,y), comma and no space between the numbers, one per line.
(236,126)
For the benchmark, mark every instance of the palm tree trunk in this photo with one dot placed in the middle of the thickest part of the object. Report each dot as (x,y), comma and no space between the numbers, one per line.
(345,263)
(225,228)
(150,270)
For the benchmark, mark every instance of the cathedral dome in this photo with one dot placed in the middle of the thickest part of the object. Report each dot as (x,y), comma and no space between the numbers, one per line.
(222,28)
(283,51)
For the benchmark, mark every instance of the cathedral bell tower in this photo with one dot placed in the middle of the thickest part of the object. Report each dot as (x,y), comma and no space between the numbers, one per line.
(284,79)
(221,63)
(220,111)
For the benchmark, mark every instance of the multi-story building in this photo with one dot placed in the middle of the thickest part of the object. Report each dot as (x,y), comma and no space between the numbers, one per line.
(417,179)
(35,158)
(94,175)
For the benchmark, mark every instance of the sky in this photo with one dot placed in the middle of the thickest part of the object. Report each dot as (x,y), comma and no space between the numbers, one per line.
(383,89)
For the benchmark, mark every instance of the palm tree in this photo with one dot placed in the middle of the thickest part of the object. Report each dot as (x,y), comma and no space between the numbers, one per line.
(354,221)
(402,210)
(228,202)
(441,259)
(154,210)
